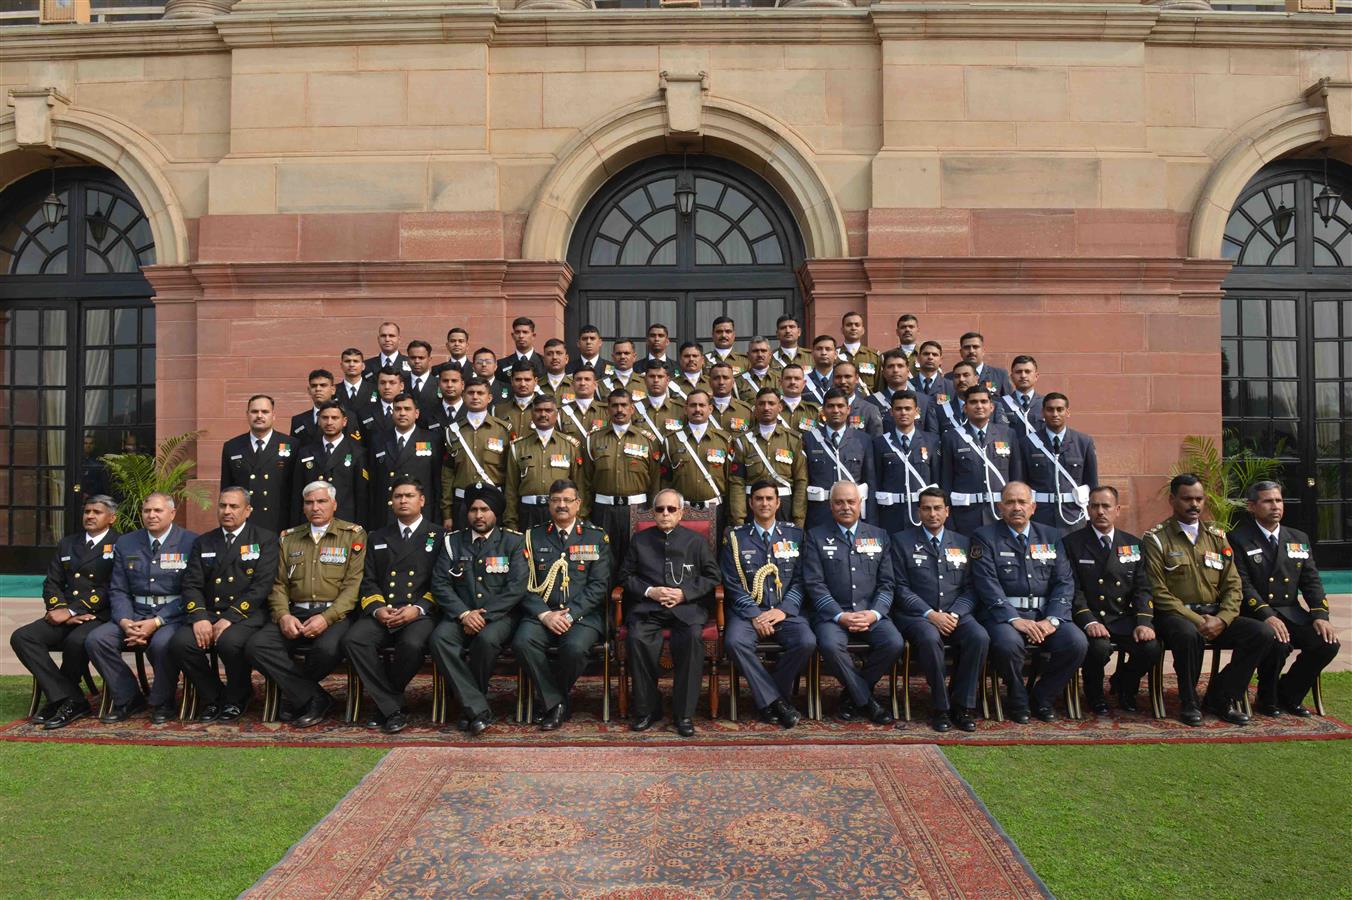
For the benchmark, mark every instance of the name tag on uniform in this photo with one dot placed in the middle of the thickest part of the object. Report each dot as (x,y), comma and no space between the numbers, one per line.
(495,565)
(784,456)
(211,555)
(1256,551)
(495,445)
(956,556)
(1129,553)
(869,546)
(422,448)
(379,454)
(237,456)
(558,460)
(309,461)
(785,549)
(672,425)
(1213,560)
(716,456)
(636,450)
(1001,448)
(67,558)
(1298,551)
(333,555)
(1042,552)
(379,546)
(172,561)
(584,552)
(1008,553)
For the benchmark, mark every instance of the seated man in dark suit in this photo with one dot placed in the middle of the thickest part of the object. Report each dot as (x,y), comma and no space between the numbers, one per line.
(1276,566)
(668,576)
(934,602)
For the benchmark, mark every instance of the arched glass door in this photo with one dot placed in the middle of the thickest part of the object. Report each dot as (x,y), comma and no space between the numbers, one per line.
(77,369)
(1286,342)
(638,259)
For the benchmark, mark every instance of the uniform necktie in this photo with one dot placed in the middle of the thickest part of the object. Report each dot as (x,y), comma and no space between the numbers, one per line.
(1272,543)
(351,393)
(929,383)
(155,547)
(89,544)
(835,439)
(981,437)
(1056,444)
(905,445)
(1106,542)
(229,539)
(400,442)
(417,385)
(328,451)
(1023,402)
(387,410)
(258,445)
(408,532)
(934,542)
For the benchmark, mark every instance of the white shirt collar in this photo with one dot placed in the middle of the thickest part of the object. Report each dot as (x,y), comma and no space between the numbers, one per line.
(583,403)
(266,439)
(331,442)
(792,402)
(318,532)
(389,360)
(98,538)
(556,380)
(236,532)
(759,373)
(766,430)
(852,348)
(1190,530)
(417,523)
(722,354)
(545,435)
(940,535)
(1100,535)
(476,418)
(404,434)
(624,374)
(698,429)
(910,434)
(619,429)
(722,402)
(523,402)
(656,401)
(1266,533)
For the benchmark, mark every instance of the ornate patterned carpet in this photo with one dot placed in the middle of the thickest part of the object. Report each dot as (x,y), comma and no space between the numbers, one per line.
(808,821)
(587,729)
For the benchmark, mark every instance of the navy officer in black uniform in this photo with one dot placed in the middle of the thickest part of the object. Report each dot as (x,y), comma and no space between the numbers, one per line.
(339,459)
(75,594)
(934,603)
(847,578)
(1276,565)
(1024,587)
(479,582)
(761,567)
(260,462)
(405,450)
(1112,601)
(225,592)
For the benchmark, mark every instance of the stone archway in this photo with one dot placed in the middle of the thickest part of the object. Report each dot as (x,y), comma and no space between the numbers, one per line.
(730,130)
(106,141)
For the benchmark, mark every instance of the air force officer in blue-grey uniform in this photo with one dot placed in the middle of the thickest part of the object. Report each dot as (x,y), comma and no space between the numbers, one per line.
(761,566)
(934,602)
(1024,586)
(146,593)
(847,580)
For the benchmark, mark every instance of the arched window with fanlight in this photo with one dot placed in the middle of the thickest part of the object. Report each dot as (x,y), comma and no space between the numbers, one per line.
(77,374)
(1286,340)
(682,241)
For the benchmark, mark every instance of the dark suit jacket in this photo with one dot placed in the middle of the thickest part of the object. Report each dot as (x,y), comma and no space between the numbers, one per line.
(1272,582)
(77,578)
(466,367)
(928,582)
(304,428)
(421,459)
(346,470)
(428,397)
(266,476)
(399,572)
(373,366)
(1109,585)
(233,582)
(681,559)
(434,418)
(507,360)
(462,579)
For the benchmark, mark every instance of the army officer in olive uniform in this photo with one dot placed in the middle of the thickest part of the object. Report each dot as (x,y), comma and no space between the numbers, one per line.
(225,592)
(319,575)
(476,452)
(621,466)
(539,457)
(479,583)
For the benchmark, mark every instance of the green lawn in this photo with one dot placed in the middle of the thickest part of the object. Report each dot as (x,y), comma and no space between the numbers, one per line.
(1214,820)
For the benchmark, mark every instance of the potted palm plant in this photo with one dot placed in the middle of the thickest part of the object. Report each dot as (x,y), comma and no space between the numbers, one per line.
(1225,476)
(136,476)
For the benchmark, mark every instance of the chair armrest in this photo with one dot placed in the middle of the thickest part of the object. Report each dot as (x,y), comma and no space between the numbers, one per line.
(718,607)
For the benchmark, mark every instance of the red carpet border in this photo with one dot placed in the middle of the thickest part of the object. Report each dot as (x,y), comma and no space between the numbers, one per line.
(669,823)
(587,729)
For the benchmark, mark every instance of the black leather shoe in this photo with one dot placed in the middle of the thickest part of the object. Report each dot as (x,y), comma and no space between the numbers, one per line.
(315,711)
(940,722)
(1126,696)
(210,713)
(394,723)
(847,711)
(1297,710)
(685,728)
(124,712)
(767,715)
(786,715)
(1226,713)
(286,714)
(46,712)
(1190,715)
(1046,714)
(1019,716)
(230,712)
(1268,709)
(876,714)
(479,724)
(553,719)
(374,720)
(162,714)
(462,723)
(69,711)
(1100,707)
(962,717)
(643,723)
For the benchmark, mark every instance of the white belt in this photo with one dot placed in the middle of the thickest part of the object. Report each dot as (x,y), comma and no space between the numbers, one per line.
(783,491)
(885,498)
(316,604)
(1054,498)
(155,599)
(607,500)
(535,499)
(1026,602)
(460,493)
(703,504)
(818,494)
(968,499)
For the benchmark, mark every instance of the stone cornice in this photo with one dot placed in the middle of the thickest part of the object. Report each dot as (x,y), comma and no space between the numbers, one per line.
(963,274)
(283,23)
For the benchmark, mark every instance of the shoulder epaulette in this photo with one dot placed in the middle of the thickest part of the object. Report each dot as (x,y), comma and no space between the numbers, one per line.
(1155,528)
(512,531)
(568,437)
(292,530)
(1215,530)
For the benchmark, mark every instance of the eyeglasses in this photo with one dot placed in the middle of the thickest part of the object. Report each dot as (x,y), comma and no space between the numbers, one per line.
(665,509)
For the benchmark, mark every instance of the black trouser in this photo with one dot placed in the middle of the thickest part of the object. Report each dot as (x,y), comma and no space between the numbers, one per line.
(1141,657)
(366,638)
(529,515)
(469,672)
(1248,638)
(1291,688)
(531,643)
(614,521)
(644,646)
(33,644)
(231,649)
(271,654)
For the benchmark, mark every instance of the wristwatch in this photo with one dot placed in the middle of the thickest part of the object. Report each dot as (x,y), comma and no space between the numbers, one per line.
(1056,623)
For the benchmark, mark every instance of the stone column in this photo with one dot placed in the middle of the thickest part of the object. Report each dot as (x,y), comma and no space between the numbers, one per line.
(196,9)
(805,4)
(555,4)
